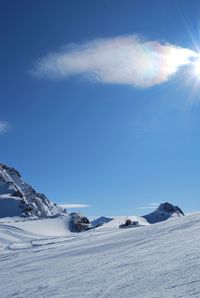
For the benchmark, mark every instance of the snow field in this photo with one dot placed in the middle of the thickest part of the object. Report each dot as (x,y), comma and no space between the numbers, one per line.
(152,261)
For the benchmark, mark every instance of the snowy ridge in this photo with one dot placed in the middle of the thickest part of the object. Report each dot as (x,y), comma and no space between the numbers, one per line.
(19,198)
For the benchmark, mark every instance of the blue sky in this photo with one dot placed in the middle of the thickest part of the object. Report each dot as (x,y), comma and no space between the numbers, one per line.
(100,101)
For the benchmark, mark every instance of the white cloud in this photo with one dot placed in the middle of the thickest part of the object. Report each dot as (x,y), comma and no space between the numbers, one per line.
(149,206)
(4,127)
(74,206)
(119,60)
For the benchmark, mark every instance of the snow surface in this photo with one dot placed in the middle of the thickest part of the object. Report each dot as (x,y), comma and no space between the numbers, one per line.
(41,258)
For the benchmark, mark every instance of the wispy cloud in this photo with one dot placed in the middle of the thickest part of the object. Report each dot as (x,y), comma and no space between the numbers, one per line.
(4,127)
(120,60)
(149,206)
(74,206)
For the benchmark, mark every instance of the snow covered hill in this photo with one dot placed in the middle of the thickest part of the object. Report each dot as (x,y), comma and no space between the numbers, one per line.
(19,198)
(152,261)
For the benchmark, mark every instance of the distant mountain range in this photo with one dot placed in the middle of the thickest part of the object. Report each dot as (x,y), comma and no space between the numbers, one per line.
(163,212)
(17,198)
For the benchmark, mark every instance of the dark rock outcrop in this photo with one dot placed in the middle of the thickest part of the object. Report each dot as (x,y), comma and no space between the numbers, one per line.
(167,207)
(79,223)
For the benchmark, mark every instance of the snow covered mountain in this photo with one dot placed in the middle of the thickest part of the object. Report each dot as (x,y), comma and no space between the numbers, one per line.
(164,211)
(18,198)
(141,262)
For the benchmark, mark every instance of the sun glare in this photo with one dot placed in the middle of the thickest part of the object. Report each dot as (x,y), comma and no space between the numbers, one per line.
(197,68)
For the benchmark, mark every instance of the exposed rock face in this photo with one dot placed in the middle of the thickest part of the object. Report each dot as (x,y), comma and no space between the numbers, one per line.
(167,207)
(18,198)
(164,211)
(79,223)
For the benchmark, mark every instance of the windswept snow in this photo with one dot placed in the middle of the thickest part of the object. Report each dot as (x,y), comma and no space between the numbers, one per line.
(58,226)
(21,234)
(152,261)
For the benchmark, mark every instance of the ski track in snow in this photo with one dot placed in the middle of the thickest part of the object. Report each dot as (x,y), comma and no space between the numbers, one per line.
(152,261)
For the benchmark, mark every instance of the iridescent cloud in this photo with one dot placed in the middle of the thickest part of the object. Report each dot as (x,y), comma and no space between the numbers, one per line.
(120,60)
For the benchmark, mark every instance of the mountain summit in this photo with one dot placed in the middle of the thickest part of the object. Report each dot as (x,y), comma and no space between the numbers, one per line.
(164,211)
(18,198)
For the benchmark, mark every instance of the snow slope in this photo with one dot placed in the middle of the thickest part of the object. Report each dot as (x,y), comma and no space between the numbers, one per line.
(152,261)
(17,233)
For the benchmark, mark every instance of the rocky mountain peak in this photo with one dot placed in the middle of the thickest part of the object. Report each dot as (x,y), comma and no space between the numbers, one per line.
(164,211)
(168,207)
(17,198)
